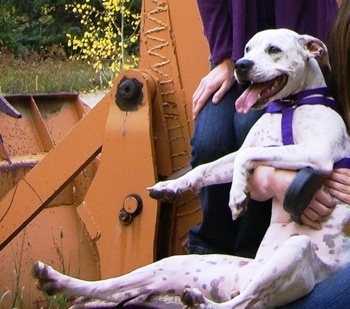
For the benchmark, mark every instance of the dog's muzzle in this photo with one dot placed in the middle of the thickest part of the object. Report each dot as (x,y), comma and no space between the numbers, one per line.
(242,67)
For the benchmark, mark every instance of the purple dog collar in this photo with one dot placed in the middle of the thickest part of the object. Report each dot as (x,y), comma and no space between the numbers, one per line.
(343,163)
(287,105)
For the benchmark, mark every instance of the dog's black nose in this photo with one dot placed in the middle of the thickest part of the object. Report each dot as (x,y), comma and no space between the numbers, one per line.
(242,66)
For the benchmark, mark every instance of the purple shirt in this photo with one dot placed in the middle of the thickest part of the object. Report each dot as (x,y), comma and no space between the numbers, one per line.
(229,24)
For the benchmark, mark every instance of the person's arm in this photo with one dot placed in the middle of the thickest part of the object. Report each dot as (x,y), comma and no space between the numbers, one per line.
(217,24)
(267,182)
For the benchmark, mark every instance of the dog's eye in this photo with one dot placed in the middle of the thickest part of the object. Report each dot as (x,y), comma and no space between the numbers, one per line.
(274,50)
(247,49)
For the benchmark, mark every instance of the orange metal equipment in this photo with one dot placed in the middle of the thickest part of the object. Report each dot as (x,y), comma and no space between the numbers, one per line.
(73,180)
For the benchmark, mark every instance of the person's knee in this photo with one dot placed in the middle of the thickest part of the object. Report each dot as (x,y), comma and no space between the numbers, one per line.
(214,132)
(208,148)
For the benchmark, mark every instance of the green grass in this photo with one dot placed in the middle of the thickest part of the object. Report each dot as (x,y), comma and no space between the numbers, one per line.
(36,75)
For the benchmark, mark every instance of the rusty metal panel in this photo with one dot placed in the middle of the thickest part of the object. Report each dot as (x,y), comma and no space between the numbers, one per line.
(191,49)
(158,54)
(59,114)
(174,52)
(56,234)
(126,167)
(19,136)
(42,183)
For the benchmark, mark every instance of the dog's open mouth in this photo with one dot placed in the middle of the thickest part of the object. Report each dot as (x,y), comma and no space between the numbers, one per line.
(258,94)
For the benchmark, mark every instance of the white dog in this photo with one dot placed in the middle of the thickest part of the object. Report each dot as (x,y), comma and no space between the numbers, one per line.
(292,258)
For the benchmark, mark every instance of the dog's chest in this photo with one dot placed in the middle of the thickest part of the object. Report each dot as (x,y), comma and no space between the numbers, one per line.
(308,123)
(266,131)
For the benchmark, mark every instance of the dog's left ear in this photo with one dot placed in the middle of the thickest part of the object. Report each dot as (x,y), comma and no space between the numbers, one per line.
(315,48)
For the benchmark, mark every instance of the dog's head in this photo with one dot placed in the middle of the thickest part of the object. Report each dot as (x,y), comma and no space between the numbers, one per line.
(279,63)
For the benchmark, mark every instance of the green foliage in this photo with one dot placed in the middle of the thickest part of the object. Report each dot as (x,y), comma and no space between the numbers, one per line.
(34,25)
(100,33)
(111,32)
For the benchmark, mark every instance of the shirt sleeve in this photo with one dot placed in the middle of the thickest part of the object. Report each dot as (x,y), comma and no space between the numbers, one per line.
(217,23)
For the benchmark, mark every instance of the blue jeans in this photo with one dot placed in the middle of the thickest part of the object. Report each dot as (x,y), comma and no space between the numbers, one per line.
(332,293)
(219,130)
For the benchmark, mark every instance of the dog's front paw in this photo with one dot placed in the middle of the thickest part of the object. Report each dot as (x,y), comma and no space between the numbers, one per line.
(163,191)
(193,298)
(46,282)
(238,203)
(161,195)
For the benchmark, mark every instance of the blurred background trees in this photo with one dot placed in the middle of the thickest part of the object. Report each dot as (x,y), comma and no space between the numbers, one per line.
(34,25)
(102,32)
(109,36)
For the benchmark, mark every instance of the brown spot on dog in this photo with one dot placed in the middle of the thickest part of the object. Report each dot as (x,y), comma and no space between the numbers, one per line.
(234,294)
(242,263)
(214,292)
(329,240)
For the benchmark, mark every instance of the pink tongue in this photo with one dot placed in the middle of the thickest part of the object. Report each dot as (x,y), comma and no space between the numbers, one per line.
(249,97)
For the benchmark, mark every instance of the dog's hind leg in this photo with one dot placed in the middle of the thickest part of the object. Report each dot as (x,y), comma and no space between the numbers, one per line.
(114,290)
(287,275)
(152,278)
(168,276)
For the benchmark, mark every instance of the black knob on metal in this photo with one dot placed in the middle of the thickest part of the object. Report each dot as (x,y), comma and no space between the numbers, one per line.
(132,207)
(129,94)
(124,217)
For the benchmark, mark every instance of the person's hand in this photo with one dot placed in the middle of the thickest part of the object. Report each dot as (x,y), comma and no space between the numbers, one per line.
(217,82)
(320,206)
(339,184)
